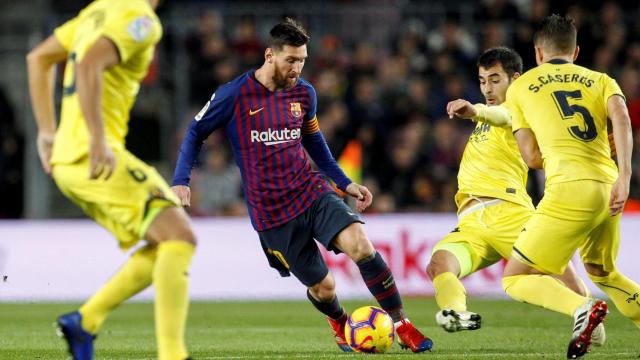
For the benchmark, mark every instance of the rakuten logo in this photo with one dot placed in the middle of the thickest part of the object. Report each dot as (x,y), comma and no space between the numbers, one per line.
(273,137)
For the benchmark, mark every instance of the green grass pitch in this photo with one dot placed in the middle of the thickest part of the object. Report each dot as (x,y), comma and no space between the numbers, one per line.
(294,330)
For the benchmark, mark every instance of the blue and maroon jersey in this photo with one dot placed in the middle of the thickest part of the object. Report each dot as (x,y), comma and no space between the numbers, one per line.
(267,130)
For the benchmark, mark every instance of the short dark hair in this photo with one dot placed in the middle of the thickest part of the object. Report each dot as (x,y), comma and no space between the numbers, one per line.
(509,59)
(557,33)
(288,32)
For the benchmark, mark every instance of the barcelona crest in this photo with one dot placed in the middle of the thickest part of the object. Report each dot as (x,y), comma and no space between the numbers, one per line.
(296,109)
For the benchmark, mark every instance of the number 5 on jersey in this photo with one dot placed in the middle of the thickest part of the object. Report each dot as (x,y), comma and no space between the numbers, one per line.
(568,111)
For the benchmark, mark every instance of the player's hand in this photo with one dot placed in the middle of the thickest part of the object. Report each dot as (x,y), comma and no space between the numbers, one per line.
(461,108)
(362,194)
(612,144)
(619,195)
(45,144)
(102,161)
(184,194)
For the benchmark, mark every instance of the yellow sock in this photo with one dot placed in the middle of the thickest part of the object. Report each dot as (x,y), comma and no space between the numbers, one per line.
(543,290)
(450,293)
(623,292)
(171,281)
(132,278)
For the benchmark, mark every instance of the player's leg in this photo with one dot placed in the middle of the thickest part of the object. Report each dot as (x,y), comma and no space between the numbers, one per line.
(132,278)
(323,297)
(599,256)
(378,277)
(536,255)
(336,227)
(290,249)
(125,205)
(450,262)
(623,291)
(176,241)
(444,271)
(101,201)
(574,282)
(527,284)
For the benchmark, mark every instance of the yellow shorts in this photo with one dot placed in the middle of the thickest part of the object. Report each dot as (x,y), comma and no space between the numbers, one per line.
(572,215)
(126,203)
(488,234)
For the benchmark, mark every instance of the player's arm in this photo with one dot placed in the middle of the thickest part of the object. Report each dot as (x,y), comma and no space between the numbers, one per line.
(41,63)
(215,113)
(493,115)
(529,149)
(622,134)
(101,55)
(316,145)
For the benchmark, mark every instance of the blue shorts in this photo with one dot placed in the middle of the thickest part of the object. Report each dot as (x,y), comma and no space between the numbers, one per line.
(290,248)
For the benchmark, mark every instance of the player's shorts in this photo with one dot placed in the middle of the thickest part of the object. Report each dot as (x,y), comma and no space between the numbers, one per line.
(572,215)
(488,231)
(290,248)
(126,203)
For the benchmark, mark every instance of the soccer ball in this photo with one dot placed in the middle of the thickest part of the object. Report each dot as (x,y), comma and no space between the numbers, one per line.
(369,329)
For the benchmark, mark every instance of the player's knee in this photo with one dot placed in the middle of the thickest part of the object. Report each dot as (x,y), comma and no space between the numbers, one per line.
(443,261)
(171,224)
(362,247)
(434,269)
(325,290)
(439,264)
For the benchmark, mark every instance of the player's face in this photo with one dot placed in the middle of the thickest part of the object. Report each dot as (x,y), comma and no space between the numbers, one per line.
(288,64)
(494,82)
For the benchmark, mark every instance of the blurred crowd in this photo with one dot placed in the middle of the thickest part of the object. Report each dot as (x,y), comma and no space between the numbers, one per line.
(388,97)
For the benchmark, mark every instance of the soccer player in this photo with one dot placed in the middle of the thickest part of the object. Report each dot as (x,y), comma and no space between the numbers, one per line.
(559,113)
(269,117)
(107,48)
(493,204)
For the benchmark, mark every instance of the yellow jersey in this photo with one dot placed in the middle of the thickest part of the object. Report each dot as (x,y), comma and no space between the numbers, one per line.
(565,105)
(134,29)
(491,166)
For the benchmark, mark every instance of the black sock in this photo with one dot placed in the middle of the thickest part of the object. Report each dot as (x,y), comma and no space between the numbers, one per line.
(332,309)
(379,280)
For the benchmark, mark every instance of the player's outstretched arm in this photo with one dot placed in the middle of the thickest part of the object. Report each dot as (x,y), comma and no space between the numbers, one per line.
(215,113)
(492,115)
(529,149)
(102,55)
(619,116)
(41,63)
(362,194)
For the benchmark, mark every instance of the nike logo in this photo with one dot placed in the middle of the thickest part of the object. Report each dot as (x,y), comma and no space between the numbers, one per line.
(251,112)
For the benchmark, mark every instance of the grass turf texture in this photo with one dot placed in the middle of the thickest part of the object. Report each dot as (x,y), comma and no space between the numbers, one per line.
(294,330)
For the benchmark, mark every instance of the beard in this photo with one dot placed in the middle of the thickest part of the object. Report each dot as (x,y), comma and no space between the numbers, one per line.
(284,81)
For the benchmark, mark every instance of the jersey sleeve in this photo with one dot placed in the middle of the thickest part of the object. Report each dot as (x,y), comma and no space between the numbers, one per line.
(133,31)
(492,115)
(312,104)
(66,32)
(216,113)
(611,87)
(518,120)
